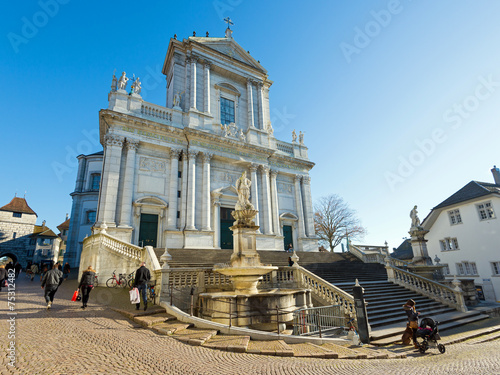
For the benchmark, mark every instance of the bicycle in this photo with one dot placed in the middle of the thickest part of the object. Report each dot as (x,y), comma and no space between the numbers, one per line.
(114,281)
(150,292)
(130,278)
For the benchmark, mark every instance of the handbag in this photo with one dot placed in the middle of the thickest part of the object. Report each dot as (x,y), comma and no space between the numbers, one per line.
(134,296)
(75,296)
(413,324)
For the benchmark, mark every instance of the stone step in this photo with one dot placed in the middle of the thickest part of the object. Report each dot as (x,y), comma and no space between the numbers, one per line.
(344,352)
(307,349)
(194,336)
(229,343)
(389,335)
(170,328)
(400,318)
(150,320)
(271,347)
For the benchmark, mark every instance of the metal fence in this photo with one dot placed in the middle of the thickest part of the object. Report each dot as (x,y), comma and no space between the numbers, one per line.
(318,320)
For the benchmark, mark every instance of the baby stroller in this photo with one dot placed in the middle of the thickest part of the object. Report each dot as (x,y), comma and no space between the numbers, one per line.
(428,335)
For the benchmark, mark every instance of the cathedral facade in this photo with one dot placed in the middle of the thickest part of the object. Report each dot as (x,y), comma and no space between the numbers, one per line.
(169,171)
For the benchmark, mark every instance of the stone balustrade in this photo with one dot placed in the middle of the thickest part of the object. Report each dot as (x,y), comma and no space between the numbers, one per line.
(452,297)
(369,254)
(161,114)
(120,247)
(285,147)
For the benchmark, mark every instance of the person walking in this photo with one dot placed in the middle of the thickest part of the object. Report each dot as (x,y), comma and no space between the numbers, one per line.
(3,276)
(290,249)
(412,323)
(66,271)
(142,276)
(17,269)
(51,281)
(86,285)
(34,271)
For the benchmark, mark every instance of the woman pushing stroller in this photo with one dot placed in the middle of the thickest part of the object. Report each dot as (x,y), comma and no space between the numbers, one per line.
(412,323)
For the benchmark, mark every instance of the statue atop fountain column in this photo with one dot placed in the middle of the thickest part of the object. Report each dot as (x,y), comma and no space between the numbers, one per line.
(415,221)
(243,185)
(418,241)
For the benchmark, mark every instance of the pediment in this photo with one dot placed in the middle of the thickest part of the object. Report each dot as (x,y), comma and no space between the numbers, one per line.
(150,200)
(226,191)
(288,216)
(230,48)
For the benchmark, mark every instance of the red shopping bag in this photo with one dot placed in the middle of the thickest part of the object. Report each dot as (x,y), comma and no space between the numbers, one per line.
(75,296)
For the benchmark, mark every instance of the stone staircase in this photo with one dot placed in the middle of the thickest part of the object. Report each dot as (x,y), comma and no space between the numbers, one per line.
(164,324)
(385,299)
(209,257)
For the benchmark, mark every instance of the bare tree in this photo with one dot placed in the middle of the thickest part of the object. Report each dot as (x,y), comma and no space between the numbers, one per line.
(334,221)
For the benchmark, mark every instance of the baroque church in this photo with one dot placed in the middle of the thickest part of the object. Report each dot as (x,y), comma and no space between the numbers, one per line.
(168,172)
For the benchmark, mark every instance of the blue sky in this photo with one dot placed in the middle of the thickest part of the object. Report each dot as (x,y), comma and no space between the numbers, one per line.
(398,99)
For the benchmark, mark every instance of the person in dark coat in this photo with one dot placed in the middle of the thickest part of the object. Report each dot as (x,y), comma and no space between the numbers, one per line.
(17,269)
(51,281)
(66,270)
(142,276)
(409,309)
(86,285)
(3,276)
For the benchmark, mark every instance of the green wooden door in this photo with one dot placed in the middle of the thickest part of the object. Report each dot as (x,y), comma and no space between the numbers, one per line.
(148,230)
(287,236)
(226,234)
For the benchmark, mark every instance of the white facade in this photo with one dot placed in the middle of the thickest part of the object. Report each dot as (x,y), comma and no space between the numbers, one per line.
(465,236)
(172,169)
(84,207)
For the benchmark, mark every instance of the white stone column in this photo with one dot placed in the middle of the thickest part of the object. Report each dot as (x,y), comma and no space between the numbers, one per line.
(274,203)
(251,123)
(183,207)
(173,189)
(266,200)
(308,206)
(262,115)
(192,94)
(191,193)
(128,183)
(216,215)
(298,206)
(254,192)
(110,178)
(205,218)
(207,86)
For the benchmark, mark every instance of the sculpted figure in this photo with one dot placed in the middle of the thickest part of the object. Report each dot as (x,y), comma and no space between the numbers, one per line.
(114,83)
(415,221)
(122,82)
(136,87)
(242,136)
(270,129)
(243,187)
(301,138)
(294,136)
(177,100)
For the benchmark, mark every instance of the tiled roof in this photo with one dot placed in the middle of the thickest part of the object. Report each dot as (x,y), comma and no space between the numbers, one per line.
(473,189)
(18,205)
(41,230)
(64,225)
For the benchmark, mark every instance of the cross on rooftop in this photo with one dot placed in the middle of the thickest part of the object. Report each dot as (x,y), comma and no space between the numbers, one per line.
(229,22)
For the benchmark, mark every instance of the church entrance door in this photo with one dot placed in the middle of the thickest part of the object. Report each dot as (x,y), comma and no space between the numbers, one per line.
(148,230)
(287,236)
(226,234)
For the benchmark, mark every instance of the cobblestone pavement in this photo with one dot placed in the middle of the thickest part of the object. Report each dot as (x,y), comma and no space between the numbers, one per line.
(98,340)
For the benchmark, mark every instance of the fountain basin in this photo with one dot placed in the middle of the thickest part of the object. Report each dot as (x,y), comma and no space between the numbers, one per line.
(245,279)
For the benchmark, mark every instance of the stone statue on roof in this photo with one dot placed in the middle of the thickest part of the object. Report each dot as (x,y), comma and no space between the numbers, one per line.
(294,136)
(301,138)
(136,86)
(122,81)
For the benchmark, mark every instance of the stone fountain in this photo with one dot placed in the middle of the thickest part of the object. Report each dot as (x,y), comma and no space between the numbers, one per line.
(250,307)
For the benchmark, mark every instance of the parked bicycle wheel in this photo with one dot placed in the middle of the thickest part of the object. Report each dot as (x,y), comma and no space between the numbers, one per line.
(111,283)
(131,283)
(123,282)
